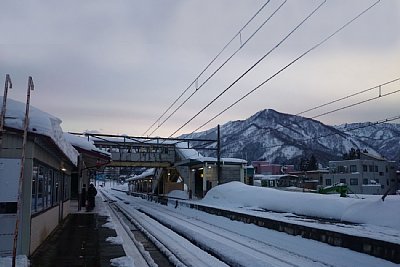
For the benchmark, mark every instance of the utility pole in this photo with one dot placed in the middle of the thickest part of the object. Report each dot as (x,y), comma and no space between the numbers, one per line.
(21,176)
(8,84)
(219,154)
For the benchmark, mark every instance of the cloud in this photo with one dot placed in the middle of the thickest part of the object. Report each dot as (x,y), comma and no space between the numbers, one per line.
(117,65)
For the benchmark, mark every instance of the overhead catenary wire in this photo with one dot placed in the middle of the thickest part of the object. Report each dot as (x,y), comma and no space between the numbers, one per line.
(349,96)
(195,81)
(219,68)
(355,104)
(252,67)
(325,113)
(278,72)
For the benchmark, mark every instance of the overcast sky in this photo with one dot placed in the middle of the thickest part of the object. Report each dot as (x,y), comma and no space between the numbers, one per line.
(116,66)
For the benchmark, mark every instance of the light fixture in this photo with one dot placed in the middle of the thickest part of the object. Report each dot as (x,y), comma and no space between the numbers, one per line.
(62,167)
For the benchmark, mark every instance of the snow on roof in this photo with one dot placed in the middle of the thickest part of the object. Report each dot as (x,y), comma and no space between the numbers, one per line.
(192,154)
(41,123)
(371,210)
(187,153)
(146,173)
(223,160)
(272,176)
(82,142)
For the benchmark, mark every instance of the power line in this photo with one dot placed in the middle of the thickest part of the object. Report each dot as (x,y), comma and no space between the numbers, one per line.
(209,64)
(380,95)
(335,133)
(325,113)
(278,72)
(348,96)
(220,67)
(249,69)
(355,104)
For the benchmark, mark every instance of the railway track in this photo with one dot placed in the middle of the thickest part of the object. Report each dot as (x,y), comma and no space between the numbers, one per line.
(171,248)
(226,246)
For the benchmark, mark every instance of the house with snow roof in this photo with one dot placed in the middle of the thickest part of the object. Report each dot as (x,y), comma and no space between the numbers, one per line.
(200,173)
(52,169)
(368,174)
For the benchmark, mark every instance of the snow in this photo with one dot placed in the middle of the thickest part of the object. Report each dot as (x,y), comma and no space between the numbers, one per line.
(370,210)
(84,143)
(187,153)
(123,262)
(40,123)
(109,225)
(21,261)
(132,250)
(178,194)
(115,240)
(221,234)
(146,173)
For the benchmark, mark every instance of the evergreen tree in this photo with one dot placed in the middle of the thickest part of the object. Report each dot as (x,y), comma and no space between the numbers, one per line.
(313,163)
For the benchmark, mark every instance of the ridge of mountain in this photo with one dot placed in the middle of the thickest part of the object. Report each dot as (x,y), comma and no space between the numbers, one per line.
(286,139)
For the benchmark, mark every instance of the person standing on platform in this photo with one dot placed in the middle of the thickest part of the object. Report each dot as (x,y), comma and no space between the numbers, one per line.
(91,193)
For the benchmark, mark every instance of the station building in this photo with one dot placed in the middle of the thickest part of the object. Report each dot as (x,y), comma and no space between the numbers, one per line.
(52,169)
(192,172)
(49,163)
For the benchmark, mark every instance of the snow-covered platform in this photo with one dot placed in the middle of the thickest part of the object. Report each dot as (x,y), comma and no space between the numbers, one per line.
(360,232)
(83,239)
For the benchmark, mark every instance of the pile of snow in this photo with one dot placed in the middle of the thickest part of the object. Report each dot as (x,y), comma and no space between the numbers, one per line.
(371,210)
(40,123)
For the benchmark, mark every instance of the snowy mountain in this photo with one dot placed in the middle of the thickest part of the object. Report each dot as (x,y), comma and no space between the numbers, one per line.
(286,139)
(384,138)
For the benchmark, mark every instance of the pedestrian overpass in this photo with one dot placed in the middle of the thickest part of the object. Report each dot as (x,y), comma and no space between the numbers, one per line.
(150,152)
(173,162)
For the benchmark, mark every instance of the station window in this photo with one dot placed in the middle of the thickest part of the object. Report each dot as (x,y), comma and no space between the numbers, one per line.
(365,168)
(328,182)
(343,180)
(40,182)
(46,187)
(34,189)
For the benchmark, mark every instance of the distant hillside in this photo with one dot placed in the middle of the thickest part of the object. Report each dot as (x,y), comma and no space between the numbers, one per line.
(285,139)
(384,138)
